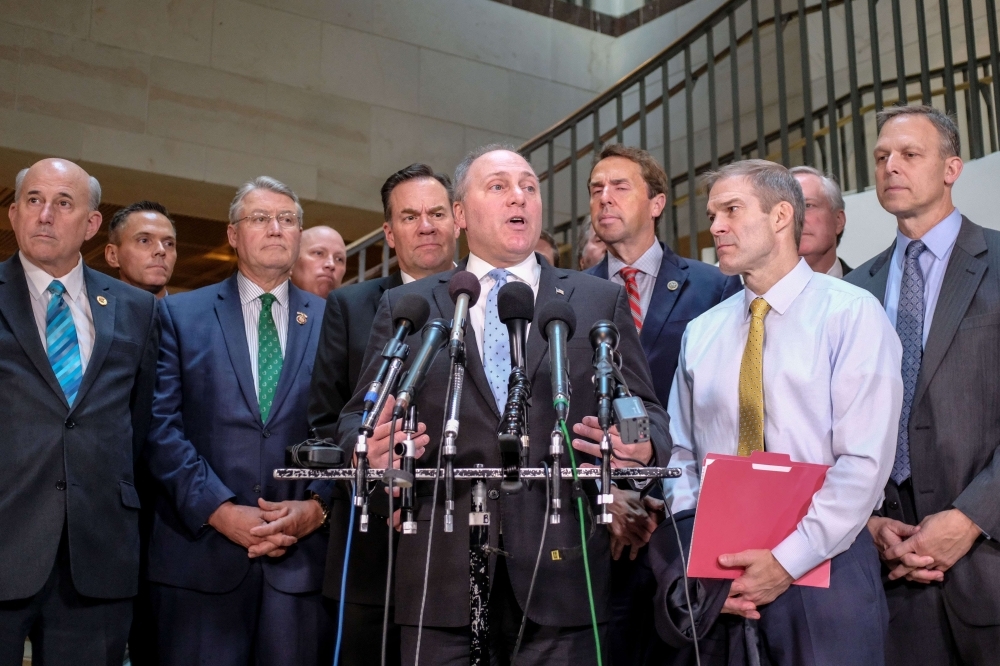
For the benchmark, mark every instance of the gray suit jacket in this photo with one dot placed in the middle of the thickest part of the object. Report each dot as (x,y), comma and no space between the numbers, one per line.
(955,422)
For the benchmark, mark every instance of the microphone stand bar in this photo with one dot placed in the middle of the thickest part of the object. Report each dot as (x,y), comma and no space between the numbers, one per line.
(474,473)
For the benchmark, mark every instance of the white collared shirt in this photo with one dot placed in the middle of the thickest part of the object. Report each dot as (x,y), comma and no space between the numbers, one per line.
(649,267)
(833,392)
(76,298)
(837,270)
(528,272)
(250,295)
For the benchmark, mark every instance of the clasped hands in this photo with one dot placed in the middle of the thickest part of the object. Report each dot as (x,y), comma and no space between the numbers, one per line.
(922,553)
(270,528)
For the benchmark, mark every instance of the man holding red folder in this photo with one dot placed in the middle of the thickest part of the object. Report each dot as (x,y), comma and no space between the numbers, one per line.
(801,364)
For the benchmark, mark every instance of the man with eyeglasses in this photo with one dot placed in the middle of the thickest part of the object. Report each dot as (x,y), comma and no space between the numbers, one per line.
(235,560)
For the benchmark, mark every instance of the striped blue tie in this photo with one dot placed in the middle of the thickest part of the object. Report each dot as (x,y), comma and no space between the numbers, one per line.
(63,346)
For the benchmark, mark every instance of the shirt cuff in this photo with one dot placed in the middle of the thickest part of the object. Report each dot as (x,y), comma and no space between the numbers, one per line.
(796,555)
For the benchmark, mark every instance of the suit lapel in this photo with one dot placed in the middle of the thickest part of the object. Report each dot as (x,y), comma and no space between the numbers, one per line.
(15,307)
(602,268)
(295,346)
(230,313)
(552,285)
(104,330)
(662,301)
(961,280)
(878,275)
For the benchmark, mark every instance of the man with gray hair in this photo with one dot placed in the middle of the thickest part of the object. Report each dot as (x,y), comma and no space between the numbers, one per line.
(802,364)
(235,559)
(824,221)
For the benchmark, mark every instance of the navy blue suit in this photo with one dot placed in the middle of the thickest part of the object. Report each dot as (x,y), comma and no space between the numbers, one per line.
(697,287)
(207,445)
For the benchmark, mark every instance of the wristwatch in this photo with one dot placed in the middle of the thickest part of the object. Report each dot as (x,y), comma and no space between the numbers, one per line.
(323,507)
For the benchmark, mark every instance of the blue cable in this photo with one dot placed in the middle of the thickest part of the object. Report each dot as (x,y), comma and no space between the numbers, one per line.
(343,586)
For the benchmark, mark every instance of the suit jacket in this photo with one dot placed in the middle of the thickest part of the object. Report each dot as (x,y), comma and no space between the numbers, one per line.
(699,287)
(560,596)
(347,327)
(207,444)
(844,266)
(955,420)
(73,466)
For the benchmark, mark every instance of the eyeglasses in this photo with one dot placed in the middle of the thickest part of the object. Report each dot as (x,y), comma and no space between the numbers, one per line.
(261,220)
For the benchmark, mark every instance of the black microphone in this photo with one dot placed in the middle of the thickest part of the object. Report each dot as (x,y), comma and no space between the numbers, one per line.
(516,308)
(464,289)
(558,322)
(435,336)
(604,340)
(412,311)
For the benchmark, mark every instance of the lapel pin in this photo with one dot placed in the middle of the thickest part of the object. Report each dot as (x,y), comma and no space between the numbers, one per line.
(102,301)
(560,291)
(301,317)
(672,285)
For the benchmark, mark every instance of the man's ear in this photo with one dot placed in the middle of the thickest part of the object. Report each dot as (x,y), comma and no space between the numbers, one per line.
(387,230)
(111,255)
(459,211)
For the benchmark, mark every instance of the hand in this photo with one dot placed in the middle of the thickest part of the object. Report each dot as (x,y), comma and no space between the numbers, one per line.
(288,519)
(592,431)
(236,523)
(763,581)
(378,443)
(888,533)
(944,537)
(631,524)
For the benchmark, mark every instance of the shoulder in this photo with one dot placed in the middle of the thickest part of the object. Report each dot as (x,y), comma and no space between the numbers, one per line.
(361,292)
(124,293)
(716,315)
(305,297)
(591,284)
(193,302)
(702,274)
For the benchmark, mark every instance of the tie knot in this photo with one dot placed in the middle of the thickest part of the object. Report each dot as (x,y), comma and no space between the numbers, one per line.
(499,275)
(759,307)
(629,273)
(915,249)
(56,288)
(268,299)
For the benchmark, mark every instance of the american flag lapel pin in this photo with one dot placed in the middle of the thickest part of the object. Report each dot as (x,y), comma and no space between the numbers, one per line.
(560,291)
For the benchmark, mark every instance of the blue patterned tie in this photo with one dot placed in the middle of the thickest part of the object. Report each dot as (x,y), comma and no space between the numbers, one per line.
(63,345)
(496,342)
(910,327)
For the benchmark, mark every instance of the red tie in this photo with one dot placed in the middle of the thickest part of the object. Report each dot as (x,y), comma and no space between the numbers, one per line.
(632,289)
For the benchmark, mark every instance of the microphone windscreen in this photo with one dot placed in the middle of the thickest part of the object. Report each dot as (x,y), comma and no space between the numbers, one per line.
(557,311)
(414,308)
(464,282)
(515,300)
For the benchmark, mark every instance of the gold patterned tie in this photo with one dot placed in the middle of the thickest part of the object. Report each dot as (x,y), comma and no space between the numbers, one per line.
(752,382)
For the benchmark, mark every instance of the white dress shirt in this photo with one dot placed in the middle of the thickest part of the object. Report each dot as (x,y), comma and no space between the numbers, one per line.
(837,270)
(940,241)
(833,392)
(649,267)
(75,297)
(528,272)
(250,295)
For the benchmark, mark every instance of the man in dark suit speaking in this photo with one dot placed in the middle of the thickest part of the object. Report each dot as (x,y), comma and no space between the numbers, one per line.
(420,227)
(497,202)
(77,357)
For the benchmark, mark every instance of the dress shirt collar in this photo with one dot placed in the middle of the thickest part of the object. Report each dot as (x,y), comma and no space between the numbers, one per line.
(939,240)
(648,263)
(837,270)
(528,271)
(249,290)
(784,291)
(39,280)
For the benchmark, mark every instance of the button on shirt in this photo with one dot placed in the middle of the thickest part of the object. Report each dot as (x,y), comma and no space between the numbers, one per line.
(649,267)
(528,272)
(832,395)
(75,297)
(250,295)
(940,241)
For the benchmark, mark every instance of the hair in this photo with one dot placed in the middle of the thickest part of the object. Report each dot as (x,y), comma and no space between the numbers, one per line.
(771,183)
(120,218)
(413,172)
(831,190)
(93,184)
(262,183)
(551,240)
(462,170)
(943,122)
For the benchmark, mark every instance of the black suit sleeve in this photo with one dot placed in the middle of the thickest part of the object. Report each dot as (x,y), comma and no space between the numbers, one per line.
(330,388)
(141,398)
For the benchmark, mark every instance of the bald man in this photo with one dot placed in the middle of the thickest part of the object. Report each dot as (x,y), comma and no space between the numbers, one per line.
(322,261)
(80,347)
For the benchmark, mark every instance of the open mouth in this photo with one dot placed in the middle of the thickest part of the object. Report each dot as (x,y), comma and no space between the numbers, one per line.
(517,220)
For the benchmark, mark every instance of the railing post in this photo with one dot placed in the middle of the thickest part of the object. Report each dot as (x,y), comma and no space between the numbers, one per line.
(573,193)
(689,108)
(876,56)
(713,139)
(897,41)
(362,263)
(925,68)
(950,103)
(734,75)
(619,127)
(976,147)
(550,184)
(857,121)
(991,23)
(758,85)
(642,113)
(831,98)
(669,218)
(807,110)
(779,53)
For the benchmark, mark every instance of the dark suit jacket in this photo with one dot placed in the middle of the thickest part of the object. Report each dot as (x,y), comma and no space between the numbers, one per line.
(347,327)
(844,266)
(207,444)
(955,421)
(73,466)
(700,287)
(560,595)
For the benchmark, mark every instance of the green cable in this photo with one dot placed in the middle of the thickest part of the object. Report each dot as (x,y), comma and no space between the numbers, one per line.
(583,541)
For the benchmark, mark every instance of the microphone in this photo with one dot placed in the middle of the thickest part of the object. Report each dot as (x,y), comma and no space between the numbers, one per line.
(604,340)
(558,322)
(464,290)
(412,311)
(515,308)
(435,335)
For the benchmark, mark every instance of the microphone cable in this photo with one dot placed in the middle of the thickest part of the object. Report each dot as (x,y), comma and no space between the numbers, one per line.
(684,572)
(583,542)
(538,562)
(343,584)
(392,528)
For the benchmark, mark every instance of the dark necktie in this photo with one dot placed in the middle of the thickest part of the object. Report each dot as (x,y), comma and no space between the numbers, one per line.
(910,327)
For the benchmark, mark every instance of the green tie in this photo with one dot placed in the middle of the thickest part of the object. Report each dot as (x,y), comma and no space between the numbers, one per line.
(268,356)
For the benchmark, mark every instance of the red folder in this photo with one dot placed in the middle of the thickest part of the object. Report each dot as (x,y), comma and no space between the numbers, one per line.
(751,502)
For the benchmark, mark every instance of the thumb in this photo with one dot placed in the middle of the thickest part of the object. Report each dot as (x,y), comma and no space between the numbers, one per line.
(742,559)
(904,530)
